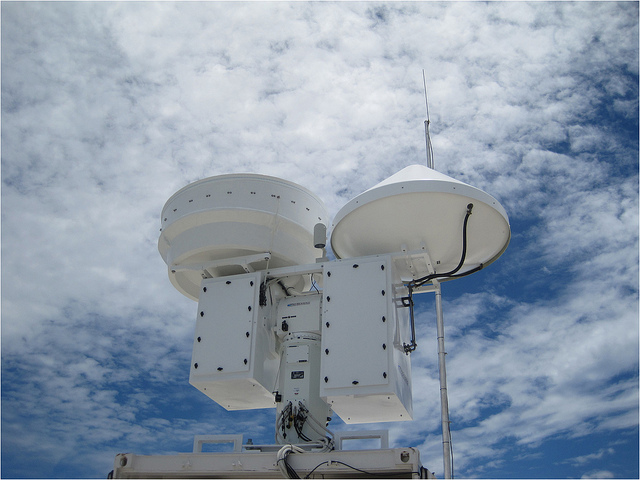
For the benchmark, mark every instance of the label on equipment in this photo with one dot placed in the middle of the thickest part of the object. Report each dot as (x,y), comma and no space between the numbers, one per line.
(297,375)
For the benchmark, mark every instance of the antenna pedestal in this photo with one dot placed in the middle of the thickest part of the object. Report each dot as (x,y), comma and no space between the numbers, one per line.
(325,335)
(302,416)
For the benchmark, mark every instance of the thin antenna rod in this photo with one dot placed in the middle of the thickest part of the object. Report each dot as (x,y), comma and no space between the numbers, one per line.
(426,125)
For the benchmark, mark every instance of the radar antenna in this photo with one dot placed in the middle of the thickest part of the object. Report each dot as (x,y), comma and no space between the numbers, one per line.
(426,125)
(276,316)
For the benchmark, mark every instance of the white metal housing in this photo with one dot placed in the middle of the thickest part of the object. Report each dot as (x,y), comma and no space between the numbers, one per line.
(385,463)
(421,209)
(234,361)
(225,225)
(365,374)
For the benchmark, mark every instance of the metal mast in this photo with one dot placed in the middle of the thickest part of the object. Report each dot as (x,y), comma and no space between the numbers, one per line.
(444,398)
(426,125)
(447,456)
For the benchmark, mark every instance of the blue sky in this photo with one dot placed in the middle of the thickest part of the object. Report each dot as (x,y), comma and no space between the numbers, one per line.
(109,108)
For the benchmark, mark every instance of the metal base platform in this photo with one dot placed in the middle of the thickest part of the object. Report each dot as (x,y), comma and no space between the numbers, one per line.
(383,463)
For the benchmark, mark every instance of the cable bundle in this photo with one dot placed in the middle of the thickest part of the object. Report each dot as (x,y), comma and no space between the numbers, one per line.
(284,466)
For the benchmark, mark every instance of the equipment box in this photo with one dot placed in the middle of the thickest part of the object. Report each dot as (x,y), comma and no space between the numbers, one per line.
(233,360)
(365,373)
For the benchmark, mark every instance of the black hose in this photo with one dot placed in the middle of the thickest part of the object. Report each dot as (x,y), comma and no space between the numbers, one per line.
(452,274)
(410,347)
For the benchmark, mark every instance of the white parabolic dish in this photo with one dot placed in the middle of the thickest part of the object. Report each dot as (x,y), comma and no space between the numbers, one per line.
(420,209)
(224,225)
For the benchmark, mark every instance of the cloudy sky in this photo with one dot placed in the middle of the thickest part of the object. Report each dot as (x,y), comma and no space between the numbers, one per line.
(109,108)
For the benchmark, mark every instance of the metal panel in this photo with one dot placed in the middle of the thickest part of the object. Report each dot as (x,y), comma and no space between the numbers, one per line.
(299,314)
(387,463)
(354,332)
(230,360)
(365,374)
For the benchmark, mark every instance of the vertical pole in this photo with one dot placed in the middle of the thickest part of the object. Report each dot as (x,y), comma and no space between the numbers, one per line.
(444,399)
(427,137)
(428,142)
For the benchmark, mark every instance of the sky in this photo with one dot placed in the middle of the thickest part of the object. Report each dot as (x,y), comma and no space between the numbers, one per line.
(108,108)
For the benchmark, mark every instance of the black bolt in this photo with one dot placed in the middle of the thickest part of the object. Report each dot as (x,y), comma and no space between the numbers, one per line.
(249,307)
(326,351)
(195,365)
(202,314)
(247,334)
(384,346)
(383,292)
(328,274)
(328,299)
(228,282)
(199,338)
(326,379)
(219,369)
(355,382)
(355,265)
(384,319)
(381,267)
(245,362)
(251,283)
(384,374)
(328,324)
(204,289)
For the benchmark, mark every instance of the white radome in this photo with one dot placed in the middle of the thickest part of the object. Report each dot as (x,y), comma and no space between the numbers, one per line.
(225,224)
(417,209)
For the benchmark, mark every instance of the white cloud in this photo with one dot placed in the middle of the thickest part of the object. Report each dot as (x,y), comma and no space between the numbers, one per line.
(109,108)
(599,474)
(582,459)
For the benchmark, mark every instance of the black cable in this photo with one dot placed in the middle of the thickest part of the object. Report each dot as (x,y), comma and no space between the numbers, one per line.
(263,294)
(386,475)
(410,347)
(285,288)
(291,473)
(421,281)
(298,424)
(284,415)
(314,284)
(473,270)
(452,274)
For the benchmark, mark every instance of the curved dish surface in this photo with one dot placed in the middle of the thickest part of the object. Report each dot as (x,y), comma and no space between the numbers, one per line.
(419,209)
(220,222)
